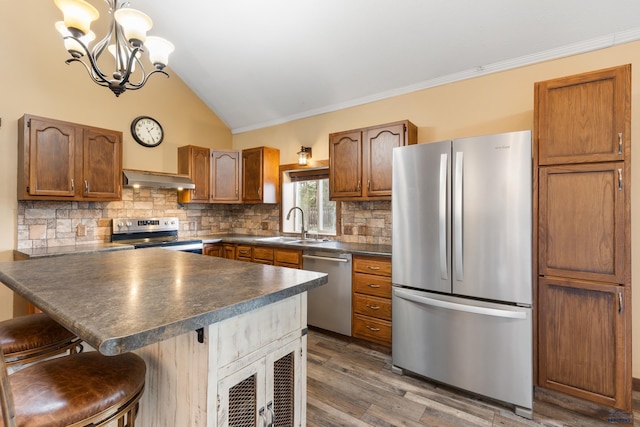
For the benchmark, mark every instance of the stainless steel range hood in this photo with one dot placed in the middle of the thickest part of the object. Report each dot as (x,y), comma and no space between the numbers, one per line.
(138,178)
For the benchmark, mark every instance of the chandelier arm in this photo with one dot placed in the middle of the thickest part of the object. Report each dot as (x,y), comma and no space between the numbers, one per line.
(136,86)
(96,78)
(95,72)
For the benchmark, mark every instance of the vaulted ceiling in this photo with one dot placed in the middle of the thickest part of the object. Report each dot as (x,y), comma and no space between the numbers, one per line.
(257,63)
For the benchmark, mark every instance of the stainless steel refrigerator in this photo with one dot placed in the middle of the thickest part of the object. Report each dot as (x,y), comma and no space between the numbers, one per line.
(462,284)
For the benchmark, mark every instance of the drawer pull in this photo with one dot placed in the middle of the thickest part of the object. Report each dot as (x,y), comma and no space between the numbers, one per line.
(371,285)
(373,267)
(373,329)
(373,307)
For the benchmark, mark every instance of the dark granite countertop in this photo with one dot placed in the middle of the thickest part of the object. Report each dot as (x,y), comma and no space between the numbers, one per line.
(331,245)
(119,301)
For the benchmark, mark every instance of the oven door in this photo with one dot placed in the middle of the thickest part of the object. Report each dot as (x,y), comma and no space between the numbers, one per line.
(194,248)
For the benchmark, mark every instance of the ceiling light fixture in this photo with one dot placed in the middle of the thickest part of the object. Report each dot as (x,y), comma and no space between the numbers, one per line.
(303,155)
(127,31)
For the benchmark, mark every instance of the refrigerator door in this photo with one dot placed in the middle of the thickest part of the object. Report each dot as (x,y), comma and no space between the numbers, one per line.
(491,230)
(421,220)
(482,347)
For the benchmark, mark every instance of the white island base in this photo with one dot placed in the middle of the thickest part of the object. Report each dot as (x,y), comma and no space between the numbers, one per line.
(249,369)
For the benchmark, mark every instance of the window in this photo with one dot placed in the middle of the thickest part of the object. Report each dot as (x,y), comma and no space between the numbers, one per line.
(308,190)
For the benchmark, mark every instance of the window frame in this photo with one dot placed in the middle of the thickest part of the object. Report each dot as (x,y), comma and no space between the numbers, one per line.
(284,170)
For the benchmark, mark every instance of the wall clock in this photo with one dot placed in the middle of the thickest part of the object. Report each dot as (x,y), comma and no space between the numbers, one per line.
(147,131)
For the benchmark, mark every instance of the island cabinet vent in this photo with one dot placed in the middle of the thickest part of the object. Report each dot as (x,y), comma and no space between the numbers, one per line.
(283,390)
(243,403)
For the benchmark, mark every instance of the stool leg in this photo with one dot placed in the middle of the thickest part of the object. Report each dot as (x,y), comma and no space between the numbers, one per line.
(6,398)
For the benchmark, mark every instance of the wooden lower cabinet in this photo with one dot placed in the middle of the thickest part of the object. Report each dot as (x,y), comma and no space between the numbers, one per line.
(371,299)
(260,254)
(583,336)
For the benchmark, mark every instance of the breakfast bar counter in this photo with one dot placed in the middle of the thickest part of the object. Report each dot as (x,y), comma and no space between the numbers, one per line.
(202,324)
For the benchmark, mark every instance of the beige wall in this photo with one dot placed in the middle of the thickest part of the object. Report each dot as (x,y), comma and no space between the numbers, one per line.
(35,79)
(499,102)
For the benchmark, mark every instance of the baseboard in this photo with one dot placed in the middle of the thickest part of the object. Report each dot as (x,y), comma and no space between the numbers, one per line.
(635,384)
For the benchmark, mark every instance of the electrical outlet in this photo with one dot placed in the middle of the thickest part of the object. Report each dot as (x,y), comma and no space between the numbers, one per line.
(81,230)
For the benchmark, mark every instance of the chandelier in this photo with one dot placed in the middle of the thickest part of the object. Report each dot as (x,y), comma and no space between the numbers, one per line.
(125,41)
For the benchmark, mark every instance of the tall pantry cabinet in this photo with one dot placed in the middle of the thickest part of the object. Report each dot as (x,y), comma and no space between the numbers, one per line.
(582,207)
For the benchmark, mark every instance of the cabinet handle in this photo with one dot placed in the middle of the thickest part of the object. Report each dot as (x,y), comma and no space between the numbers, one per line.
(373,329)
(272,415)
(263,418)
(620,303)
(368,184)
(73,185)
(373,307)
(371,285)
(86,187)
(619,179)
(358,185)
(620,143)
(373,267)
(259,192)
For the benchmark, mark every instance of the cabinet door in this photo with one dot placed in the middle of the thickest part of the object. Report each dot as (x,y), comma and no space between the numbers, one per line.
(196,163)
(101,164)
(345,165)
(229,251)
(252,176)
(581,231)
(284,385)
(241,397)
(583,339)
(51,155)
(225,176)
(377,154)
(584,118)
(212,249)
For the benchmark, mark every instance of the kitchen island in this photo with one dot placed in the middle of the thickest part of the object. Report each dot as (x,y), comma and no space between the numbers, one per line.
(208,328)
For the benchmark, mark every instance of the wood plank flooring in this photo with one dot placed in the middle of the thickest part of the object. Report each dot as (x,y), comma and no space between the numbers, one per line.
(350,383)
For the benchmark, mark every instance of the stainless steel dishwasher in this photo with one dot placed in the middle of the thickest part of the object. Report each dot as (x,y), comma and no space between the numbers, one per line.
(329,306)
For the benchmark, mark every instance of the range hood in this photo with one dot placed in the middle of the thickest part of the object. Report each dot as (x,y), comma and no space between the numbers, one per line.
(138,178)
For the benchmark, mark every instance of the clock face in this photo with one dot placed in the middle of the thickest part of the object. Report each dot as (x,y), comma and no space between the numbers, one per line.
(147,131)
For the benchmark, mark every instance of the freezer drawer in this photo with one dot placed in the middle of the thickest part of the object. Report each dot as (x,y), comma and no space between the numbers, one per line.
(481,347)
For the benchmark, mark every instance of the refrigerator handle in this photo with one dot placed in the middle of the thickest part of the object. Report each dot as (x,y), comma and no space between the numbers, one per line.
(442,215)
(457,215)
(494,312)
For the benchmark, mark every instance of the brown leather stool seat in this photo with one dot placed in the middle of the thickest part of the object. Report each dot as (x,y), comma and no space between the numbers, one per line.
(34,337)
(77,390)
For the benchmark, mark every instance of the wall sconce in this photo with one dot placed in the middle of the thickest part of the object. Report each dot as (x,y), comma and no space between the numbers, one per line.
(303,155)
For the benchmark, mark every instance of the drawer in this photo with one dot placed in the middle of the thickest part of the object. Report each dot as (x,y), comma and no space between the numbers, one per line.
(372,329)
(372,306)
(288,256)
(262,254)
(372,285)
(243,252)
(372,265)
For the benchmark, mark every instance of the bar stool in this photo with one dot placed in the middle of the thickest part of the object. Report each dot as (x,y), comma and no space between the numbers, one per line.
(34,337)
(84,389)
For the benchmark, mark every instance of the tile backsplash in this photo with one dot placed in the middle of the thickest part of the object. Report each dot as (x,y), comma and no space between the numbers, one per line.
(48,224)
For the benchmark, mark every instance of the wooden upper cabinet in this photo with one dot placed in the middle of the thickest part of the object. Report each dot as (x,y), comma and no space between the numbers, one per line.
(215,173)
(47,158)
(59,160)
(260,175)
(225,176)
(360,160)
(582,331)
(345,160)
(585,117)
(102,164)
(196,163)
(581,232)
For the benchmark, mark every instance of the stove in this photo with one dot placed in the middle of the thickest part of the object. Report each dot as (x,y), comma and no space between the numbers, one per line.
(152,233)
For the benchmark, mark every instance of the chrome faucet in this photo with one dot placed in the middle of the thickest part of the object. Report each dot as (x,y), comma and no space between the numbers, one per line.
(302,231)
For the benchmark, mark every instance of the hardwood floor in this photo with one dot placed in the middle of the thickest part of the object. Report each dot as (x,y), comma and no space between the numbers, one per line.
(350,383)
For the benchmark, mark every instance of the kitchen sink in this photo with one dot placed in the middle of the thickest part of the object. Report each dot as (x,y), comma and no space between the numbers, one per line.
(277,239)
(309,242)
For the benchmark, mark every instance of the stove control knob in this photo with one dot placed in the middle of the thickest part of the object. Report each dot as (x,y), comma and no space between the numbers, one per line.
(120,224)
(129,224)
